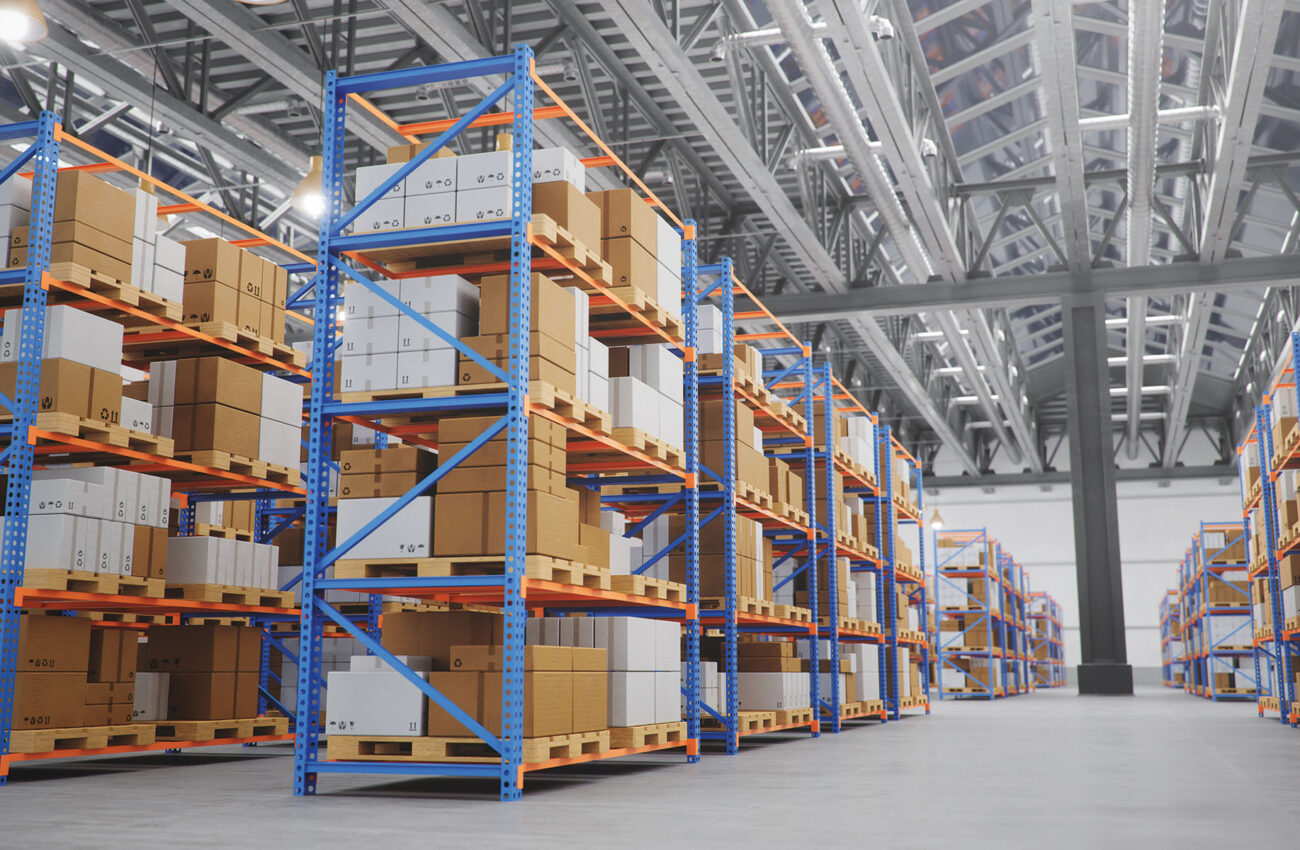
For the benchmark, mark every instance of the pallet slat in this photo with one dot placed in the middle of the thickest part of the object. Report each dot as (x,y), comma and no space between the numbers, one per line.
(80,738)
(538,567)
(472,750)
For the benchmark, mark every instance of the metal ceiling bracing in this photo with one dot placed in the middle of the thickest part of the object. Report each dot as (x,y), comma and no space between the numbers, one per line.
(975,145)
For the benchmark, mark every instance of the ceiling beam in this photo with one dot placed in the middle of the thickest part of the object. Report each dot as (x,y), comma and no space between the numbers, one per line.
(936,484)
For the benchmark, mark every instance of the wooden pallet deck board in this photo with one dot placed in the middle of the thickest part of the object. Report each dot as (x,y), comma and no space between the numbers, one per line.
(792,612)
(98,431)
(88,582)
(649,445)
(231,595)
(744,605)
(471,750)
(539,567)
(653,734)
(215,730)
(11,295)
(80,738)
(654,588)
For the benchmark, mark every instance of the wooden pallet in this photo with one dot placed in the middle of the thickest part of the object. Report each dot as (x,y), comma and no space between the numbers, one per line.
(118,617)
(11,295)
(755,496)
(540,567)
(656,448)
(755,721)
(649,735)
(217,621)
(1268,703)
(910,634)
(258,469)
(203,529)
(232,595)
(606,315)
(98,431)
(1292,623)
(87,582)
(789,717)
(654,588)
(80,738)
(214,730)
(792,612)
(474,750)
(744,605)
(144,344)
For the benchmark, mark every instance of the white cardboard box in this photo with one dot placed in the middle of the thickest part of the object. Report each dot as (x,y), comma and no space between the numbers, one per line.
(375,664)
(412,335)
(632,698)
(482,204)
(368,372)
(169,254)
(279,443)
(169,284)
(552,165)
(440,294)
(369,703)
(137,415)
(668,696)
(71,334)
(630,642)
(162,383)
(384,214)
(634,404)
(361,302)
(436,175)
(193,560)
(53,544)
(426,368)
(484,170)
(430,210)
(406,535)
(58,496)
(281,400)
(151,692)
(369,178)
(668,245)
(376,335)
(17,191)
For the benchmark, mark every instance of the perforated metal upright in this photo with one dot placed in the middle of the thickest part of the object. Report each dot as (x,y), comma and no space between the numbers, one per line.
(916,595)
(1277,651)
(888,597)
(43,153)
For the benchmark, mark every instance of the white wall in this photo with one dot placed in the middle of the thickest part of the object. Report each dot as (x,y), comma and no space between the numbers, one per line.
(1036,524)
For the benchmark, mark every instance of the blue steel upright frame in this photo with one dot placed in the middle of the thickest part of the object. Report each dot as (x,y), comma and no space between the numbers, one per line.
(1172,659)
(916,594)
(1205,562)
(978,614)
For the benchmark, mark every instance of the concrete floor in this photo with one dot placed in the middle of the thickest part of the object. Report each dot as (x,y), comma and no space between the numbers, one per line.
(1161,769)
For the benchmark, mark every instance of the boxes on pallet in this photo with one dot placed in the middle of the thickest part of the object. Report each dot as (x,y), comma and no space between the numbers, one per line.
(711,331)
(361,302)
(773,691)
(376,335)
(70,334)
(366,372)
(1228,630)
(373,703)
(151,694)
(559,164)
(635,404)
(407,534)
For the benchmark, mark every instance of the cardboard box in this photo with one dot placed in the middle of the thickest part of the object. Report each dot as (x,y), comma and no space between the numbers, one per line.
(385,214)
(405,535)
(633,264)
(212,260)
(469,524)
(151,697)
(106,397)
(459,430)
(201,696)
(625,213)
(434,633)
(570,209)
(64,386)
(373,703)
(368,372)
(194,649)
(392,459)
(249,313)
(483,204)
(483,479)
(631,700)
(552,164)
(551,307)
(202,380)
(79,196)
(433,368)
(491,658)
(437,175)
(548,703)
(106,648)
(53,644)
(81,233)
(203,427)
(590,702)
(430,210)
(70,334)
(483,170)
(465,690)
(48,700)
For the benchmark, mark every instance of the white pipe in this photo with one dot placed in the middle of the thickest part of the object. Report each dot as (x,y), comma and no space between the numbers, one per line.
(1177,115)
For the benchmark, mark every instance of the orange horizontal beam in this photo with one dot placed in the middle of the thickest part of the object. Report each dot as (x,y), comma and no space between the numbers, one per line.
(492,119)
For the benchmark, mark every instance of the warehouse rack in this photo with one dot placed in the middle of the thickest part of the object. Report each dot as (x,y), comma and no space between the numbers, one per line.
(27,440)
(789,439)
(1046,643)
(517,399)
(1015,607)
(1173,663)
(1216,550)
(898,511)
(985,627)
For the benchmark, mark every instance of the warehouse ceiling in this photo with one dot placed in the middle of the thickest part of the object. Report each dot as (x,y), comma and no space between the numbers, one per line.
(827,147)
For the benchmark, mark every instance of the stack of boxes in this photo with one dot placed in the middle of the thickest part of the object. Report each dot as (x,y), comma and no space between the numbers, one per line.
(552,350)
(15,205)
(53,660)
(212,670)
(81,364)
(370,481)
(772,677)
(90,229)
(214,404)
(221,561)
(226,283)
(157,262)
(384,348)
(646,392)
(644,250)
(110,677)
(754,577)
(751,463)
(98,519)
(1289,584)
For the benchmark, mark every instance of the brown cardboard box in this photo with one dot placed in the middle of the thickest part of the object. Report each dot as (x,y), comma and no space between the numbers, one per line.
(201,427)
(277,324)
(588,506)
(104,692)
(590,702)
(551,307)
(624,212)
(79,196)
(74,252)
(470,373)
(490,658)
(596,539)
(467,524)
(252,274)
(571,209)
(53,644)
(201,696)
(464,429)
(465,690)
(496,347)
(1288,571)
(711,421)
(483,479)
(106,646)
(49,700)
(393,459)
(64,388)
(105,396)
(200,380)
(548,703)
(250,313)
(493,453)
(83,234)
(246,694)
(633,265)
(266,321)
(158,555)
(106,714)
(212,260)
(765,649)
(387,485)
(434,633)
(141,550)
(210,301)
(248,655)
(589,660)
(771,665)
(192,649)
(279,279)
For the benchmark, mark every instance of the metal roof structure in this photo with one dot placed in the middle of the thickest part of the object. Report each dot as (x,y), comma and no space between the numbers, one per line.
(915,183)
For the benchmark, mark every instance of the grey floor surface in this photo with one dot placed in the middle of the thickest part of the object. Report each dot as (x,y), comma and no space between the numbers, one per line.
(1050,769)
